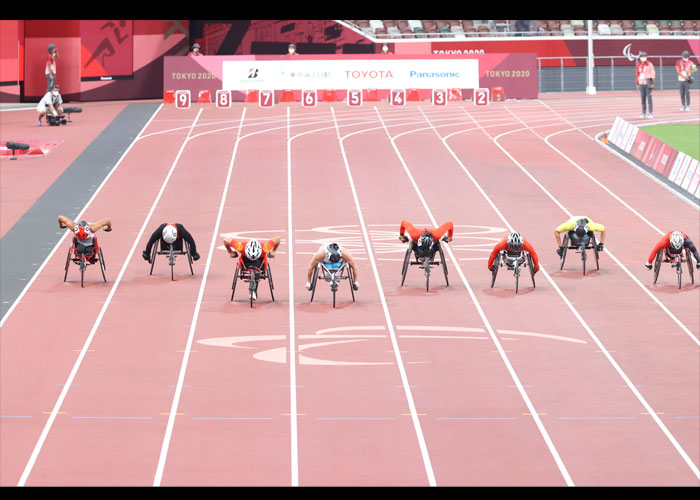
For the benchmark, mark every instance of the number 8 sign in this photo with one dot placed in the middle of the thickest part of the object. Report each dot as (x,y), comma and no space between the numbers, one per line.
(223,99)
(182,99)
(481,97)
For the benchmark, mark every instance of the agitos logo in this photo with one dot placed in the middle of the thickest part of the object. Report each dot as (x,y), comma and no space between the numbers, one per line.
(253,73)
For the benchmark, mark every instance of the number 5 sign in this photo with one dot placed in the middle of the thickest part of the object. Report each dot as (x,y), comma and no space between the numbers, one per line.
(182,99)
(354,97)
(481,97)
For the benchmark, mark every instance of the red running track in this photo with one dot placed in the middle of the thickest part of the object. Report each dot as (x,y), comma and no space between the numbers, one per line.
(588,381)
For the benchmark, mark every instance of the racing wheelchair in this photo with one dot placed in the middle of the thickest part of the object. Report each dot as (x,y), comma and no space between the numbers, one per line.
(83,256)
(513,261)
(425,263)
(252,274)
(333,274)
(172,250)
(677,261)
(580,245)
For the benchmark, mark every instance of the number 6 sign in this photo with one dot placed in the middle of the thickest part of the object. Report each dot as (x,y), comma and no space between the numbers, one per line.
(481,97)
(308,98)
(182,99)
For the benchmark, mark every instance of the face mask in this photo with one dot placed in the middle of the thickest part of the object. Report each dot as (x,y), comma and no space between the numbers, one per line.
(643,59)
(55,93)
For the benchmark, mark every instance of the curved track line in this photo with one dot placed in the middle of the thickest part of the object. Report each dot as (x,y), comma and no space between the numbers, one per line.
(595,339)
(387,316)
(612,256)
(482,314)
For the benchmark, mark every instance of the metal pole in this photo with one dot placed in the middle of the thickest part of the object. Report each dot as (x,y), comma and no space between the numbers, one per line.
(590,89)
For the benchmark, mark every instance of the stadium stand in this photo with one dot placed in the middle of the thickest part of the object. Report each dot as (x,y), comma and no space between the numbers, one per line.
(419,28)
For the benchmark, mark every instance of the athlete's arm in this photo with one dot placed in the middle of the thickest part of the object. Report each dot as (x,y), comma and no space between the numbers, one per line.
(347,257)
(270,247)
(405,226)
(688,243)
(318,257)
(151,241)
(104,223)
(499,246)
(64,222)
(187,237)
(447,227)
(660,245)
(535,260)
(232,247)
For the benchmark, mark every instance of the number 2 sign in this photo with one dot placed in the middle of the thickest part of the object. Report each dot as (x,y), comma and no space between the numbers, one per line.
(481,97)
(182,99)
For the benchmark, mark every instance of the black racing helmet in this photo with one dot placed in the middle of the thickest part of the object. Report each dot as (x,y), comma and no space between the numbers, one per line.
(425,243)
(581,228)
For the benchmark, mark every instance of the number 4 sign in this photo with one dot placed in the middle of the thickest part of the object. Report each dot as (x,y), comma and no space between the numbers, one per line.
(481,97)
(182,99)
(397,97)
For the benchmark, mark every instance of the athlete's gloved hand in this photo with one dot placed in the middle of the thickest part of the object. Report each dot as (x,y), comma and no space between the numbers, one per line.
(648,266)
(560,251)
(146,257)
(600,247)
(108,229)
(308,286)
(355,286)
(697,265)
(195,256)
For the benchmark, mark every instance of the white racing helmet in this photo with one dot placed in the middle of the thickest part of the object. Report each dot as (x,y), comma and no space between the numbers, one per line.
(676,240)
(253,250)
(170,233)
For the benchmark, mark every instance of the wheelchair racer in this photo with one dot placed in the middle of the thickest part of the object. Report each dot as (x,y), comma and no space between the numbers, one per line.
(514,243)
(252,254)
(580,230)
(425,241)
(332,255)
(673,243)
(84,233)
(170,233)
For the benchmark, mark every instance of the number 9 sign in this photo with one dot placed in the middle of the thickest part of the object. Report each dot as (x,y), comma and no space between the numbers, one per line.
(182,99)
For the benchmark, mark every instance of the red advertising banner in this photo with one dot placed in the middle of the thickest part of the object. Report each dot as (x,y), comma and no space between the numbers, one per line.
(107,49)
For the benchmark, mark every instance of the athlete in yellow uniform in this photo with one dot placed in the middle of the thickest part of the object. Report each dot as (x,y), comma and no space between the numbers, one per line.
(579,227)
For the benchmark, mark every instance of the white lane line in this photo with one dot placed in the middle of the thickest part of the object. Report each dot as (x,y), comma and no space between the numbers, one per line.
(663,307)
(533,412)
(392,334)
(85,348)
(292,333)
(592,335)
(193,324)
(195,317)
(60,241)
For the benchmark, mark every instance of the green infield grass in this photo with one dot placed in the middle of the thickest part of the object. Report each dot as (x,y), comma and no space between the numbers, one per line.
(683,137)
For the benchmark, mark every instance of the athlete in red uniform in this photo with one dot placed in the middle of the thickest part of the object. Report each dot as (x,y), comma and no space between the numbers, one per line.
(252,253)
(424,239)
(514,243)
(673,242)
